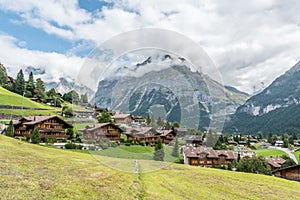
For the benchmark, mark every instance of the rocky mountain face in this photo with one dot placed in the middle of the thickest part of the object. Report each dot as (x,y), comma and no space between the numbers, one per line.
(272,110)
(174,90)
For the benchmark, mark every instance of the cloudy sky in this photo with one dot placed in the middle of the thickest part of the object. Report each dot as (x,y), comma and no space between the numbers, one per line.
(250,42)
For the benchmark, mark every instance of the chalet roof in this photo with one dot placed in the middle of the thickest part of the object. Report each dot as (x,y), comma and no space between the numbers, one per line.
(94,127)
(33,120)
(140,132)
(181,129)
(197,151)
(165,132)
(276,162)
(193,138)
(228,154)
(211,153)
(121,116)
(287,168)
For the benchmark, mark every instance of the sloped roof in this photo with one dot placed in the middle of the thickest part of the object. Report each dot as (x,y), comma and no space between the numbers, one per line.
(94,127)
(211,153)
(276,162)
(165,132)
(32,120)
(121,116)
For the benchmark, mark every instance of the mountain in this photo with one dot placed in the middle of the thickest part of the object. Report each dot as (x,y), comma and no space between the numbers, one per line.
(276,109)
(65,85)
(171,89)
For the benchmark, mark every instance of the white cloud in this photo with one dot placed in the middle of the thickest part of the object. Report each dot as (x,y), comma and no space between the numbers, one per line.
(57,65)
(250,41)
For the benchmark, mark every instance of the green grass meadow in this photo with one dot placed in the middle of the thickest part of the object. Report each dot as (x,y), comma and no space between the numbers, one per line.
(36,172)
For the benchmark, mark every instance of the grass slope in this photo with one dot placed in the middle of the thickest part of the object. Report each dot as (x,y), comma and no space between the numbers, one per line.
(269,152)
(12,99)
(35,172)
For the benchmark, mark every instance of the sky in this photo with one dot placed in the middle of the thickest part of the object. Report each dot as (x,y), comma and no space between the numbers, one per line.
(250,42)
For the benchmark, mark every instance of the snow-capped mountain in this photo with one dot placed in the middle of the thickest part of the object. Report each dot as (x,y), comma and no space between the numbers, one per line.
(168,82)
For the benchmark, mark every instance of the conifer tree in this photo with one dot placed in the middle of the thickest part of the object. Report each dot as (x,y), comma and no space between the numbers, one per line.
(175,151)
(30,87)
(40,89)
(3,75)
(159,153)
(19,84)
(10,132)
(36,137)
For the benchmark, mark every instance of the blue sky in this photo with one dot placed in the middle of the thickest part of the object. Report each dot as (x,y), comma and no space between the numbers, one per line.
(249,42)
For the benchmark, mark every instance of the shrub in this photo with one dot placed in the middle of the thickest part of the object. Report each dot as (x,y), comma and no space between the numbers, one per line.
(179,160)
(142,143)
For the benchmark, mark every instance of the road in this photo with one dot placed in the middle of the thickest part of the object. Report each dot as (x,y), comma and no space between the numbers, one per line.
(286,150)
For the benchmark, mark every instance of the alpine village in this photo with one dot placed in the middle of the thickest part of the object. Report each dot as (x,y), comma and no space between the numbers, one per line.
(69,122)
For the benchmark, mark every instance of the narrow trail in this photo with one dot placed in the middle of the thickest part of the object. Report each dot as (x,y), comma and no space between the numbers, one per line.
(140,192)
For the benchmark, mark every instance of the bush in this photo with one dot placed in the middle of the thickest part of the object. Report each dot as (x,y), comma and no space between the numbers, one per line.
(73,146)
(217,166)
(179,160)
(142,143)
(50,140)
(103,145)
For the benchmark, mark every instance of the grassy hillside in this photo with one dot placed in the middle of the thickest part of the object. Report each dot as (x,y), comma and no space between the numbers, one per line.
(269,152)
(12,99)
(35,172)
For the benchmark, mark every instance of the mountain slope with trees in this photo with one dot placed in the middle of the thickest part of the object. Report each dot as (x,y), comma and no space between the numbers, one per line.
(275,110)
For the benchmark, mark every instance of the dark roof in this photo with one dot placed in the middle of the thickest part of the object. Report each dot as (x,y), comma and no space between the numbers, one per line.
(276,162)
(211,153)
(165,132)
(94,127)
(193,138)
(33,120)
(290,167)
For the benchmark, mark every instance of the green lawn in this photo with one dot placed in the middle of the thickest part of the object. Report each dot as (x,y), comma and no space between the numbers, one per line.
(135,152)
(29,112)
(297,155)
(12,99)
(269,152)
(35,172)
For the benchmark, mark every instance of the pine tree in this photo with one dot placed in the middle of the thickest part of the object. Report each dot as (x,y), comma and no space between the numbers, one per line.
(10,132)
(84,98)
(105,117)
(40,89)
(3,75)
(30,87)
(35,137)
(19,84)
(159,153)
(175,151)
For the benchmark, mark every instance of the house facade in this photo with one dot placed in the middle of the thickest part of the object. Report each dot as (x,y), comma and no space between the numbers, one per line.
(167,136)
(290,173)
(123,118)
(101,131)
(49,127)
(147,134)
(208,157)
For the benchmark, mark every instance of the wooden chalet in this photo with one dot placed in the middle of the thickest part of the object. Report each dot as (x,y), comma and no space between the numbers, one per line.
(181,132)
(167,136)
(123,118)
(49,127)
(194,140)
(102,131)
(208,157)
(290,173)
(147,134)
(275,163)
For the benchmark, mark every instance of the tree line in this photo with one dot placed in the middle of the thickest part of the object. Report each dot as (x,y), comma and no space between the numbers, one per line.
(32,88)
